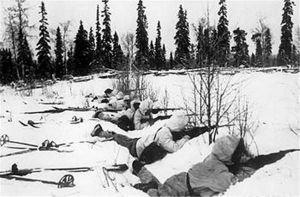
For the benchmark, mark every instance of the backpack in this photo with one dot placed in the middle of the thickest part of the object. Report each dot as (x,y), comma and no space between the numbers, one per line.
(153,152)
(125,123)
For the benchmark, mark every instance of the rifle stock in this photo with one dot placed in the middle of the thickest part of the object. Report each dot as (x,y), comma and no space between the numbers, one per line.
(196,131)
(153,120)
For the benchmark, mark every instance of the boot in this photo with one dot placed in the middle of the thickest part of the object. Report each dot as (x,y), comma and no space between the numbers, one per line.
(99,132)
(146,186)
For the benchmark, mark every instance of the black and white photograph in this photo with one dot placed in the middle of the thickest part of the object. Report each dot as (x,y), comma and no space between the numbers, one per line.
(149,98)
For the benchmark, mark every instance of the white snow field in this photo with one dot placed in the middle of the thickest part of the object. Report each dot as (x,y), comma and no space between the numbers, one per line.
(274,104)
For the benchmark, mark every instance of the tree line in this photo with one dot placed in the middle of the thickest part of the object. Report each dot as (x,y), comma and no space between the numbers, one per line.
(95,52)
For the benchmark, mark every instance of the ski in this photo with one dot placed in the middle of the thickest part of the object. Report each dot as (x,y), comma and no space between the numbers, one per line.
(117,168)
(16,153)
(22,123)
(30,123)
(22,172)
(5,139)
(65,181)
(109,179)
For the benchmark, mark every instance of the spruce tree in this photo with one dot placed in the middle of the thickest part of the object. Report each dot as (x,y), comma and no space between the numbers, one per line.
(240,50)
(182,40)
(268,46)
(81,52)
(171,61)
(200,45)
(91,45)
(252,60)
(258,51)
(223,40)
(7,71)
(106,38)
(98,52)
(141,38)
(208,49)
(19,27)
(43,46)
(158,49)
(117,54)
(164,60)
(71,61)
(24,58)
(59,63)
(152,56)
(285,47)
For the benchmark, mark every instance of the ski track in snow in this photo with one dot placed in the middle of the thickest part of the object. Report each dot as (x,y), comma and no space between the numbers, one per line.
(274,103)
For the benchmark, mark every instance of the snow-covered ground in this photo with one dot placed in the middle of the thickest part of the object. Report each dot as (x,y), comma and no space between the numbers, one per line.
(274,104)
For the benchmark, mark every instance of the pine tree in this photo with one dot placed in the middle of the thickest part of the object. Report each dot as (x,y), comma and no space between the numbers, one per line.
(268,46)
(141,38)
(7,72)
(91,45)
(252,60)
(223,42)
(107,38)
(294,58)
(24,58)
(117,54)
(22,23)
(193,54)
(81,52)
(258,51)
(285,47)
(182,40)
(171,62)
(200,45)
(164,60)
(208,49)
(43,46)
(240,50)
(71,61)
(158,49)
(59,63)
(98,38)
(152,56)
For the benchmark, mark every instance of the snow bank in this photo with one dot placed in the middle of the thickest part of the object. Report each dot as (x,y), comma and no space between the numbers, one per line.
(274,103)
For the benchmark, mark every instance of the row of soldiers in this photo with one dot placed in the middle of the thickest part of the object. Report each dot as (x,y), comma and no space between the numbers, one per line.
(206,178)
(127,113)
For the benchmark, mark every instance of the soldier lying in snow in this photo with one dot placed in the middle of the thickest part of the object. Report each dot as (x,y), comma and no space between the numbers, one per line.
(124,119)
(108,93)
(206,178)
(141,114)
(154,147)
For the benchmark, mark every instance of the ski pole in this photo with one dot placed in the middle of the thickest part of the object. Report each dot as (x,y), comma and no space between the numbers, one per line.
(4,139)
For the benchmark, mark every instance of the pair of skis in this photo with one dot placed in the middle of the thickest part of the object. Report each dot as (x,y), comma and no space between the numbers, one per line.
(16,174)
(46,146)
(66,181)
(115,168)
(30,123)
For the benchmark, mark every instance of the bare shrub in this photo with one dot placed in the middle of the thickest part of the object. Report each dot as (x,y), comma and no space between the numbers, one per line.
(135,85)
(244,124)
(213,98)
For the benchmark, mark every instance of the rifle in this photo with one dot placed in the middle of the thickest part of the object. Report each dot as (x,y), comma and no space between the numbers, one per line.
(133,90)
(156,110)
(196,131)
(153,120)
(109,110)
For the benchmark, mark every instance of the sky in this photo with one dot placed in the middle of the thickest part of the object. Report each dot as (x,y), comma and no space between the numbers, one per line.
(243,14)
